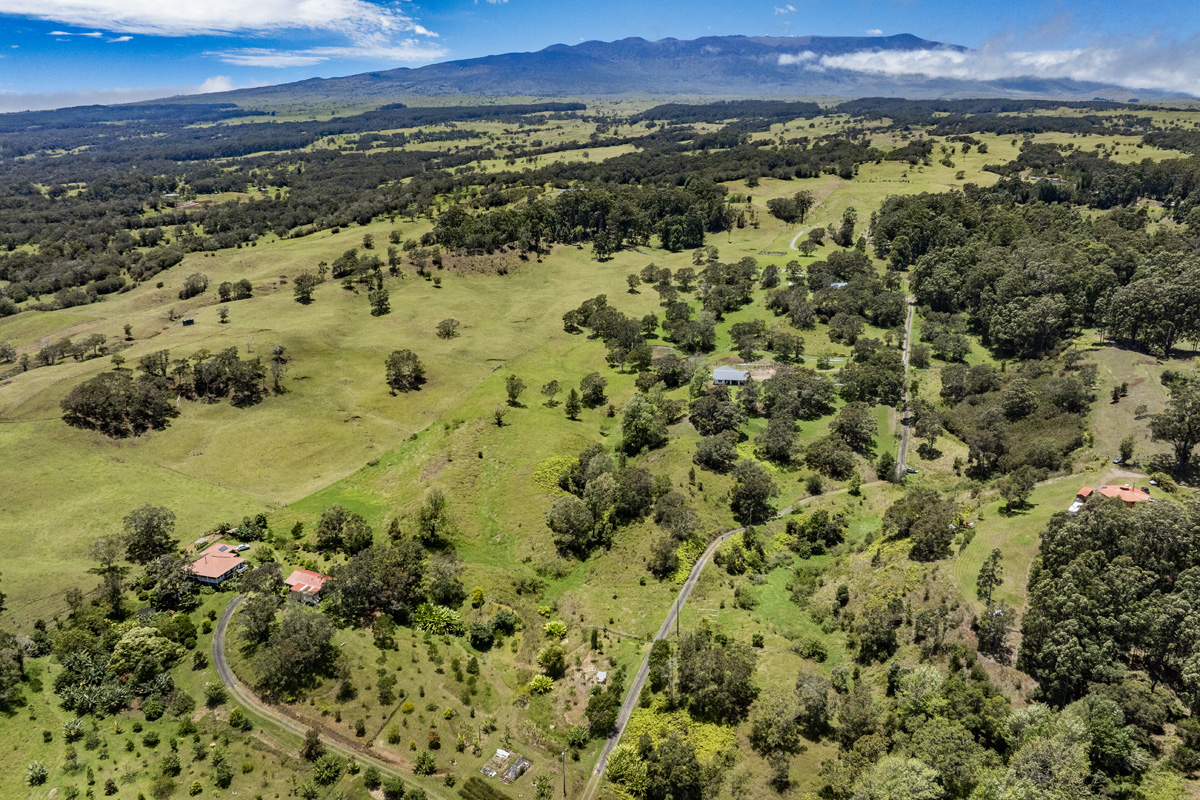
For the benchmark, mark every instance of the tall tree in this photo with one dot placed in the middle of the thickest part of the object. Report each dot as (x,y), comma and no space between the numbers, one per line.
(149,533)
(1179,424)
(405,372)
(107,552)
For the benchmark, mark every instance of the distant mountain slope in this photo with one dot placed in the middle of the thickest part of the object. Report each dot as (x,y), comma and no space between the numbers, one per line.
(712,65)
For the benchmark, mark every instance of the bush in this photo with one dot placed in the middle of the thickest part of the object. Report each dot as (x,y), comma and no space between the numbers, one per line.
(36,774)
(540,684)
(214,694)
(811,647)
(371,778)
(327,769)
(425,764)
(393,789)
(1165,482)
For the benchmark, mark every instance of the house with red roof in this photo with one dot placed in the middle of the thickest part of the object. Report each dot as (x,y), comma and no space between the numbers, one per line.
(217,564)
(1127,493)
(306,585)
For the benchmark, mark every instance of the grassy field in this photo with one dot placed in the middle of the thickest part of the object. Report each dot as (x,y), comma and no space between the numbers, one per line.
(336,435)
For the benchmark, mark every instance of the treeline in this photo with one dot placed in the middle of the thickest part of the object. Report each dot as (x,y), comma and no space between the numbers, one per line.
(1030,274)
(751,115)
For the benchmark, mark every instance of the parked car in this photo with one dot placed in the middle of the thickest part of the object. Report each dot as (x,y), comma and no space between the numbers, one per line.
(241,548)
(911,470)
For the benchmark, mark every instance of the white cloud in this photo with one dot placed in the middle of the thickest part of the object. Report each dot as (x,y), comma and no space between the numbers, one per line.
(217,83)
(1147,64)
(155,17)
(787,9)
(874,32)
(381,50)
(806,57)
(92,35)
(121,39)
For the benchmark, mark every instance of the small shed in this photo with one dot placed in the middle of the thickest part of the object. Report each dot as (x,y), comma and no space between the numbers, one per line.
(189,321)
(516,769)
(728,376)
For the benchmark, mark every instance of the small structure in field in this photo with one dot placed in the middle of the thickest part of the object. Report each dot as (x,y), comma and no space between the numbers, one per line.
(497,763)
(728,376)
(217,564)
(305,586)
(516,769)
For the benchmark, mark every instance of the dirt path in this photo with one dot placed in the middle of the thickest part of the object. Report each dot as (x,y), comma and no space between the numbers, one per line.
(252,702)
(906,415)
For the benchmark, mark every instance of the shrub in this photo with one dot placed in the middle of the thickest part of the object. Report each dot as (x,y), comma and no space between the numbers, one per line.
(214,694)
(425,764)
(541,684)
(555,630)
(36,773)
(811,647)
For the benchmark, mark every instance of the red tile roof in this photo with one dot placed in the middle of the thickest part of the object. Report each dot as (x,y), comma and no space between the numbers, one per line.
(307,581)
(216,561)
(1084,493)
(1126,492)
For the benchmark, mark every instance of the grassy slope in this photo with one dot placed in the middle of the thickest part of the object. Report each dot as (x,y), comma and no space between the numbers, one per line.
(302,450)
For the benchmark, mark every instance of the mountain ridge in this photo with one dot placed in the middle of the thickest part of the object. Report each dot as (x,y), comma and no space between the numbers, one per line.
(708,66)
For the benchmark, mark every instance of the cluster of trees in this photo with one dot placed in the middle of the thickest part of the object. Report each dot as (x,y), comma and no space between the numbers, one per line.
(120,404)
(1113,591)
(1030,416)
(602,496)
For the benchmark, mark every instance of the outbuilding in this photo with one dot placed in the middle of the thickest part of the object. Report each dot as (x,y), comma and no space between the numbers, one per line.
(305,586)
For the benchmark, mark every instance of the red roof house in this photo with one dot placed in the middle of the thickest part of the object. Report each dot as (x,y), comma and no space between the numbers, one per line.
(217,564)
(1126,493)
(306,585)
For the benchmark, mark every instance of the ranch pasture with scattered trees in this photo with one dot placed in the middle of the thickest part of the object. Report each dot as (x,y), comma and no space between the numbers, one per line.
(458,360)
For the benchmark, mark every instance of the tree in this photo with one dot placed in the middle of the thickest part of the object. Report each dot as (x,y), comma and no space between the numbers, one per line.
(856,426)
(298,652)
(443,576)
(592,389)
(312,748)
(634,282)
(778,441)
(1126,449)
(447,328)
(380,302)
(991,575)
(257,618)
(149,533)
(674,772)
(303,286)
(434,525)
(773,725)
(1179,424)
(279,365)
(553,660)
(573,404)
(812,692)
(928,424)
(715,675)
(992,631)
(717,452)
(1016,486)
(550,391)
(752,491)
(513,386)
(642,426)
(173,586)
(405,373)
(107,551)
(897,778)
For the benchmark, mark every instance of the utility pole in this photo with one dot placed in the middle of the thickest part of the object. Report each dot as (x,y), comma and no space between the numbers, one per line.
(564,773)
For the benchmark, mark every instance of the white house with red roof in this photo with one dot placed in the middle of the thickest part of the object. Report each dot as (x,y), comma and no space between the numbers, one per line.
(217,564)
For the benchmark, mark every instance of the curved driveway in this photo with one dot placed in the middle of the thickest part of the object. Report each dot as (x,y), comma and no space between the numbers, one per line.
(249,699)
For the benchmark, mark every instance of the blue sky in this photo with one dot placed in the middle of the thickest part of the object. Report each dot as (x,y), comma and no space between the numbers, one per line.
(58,52)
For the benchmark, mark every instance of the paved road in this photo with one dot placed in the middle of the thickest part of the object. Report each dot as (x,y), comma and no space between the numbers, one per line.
(906,416)
(249,699)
